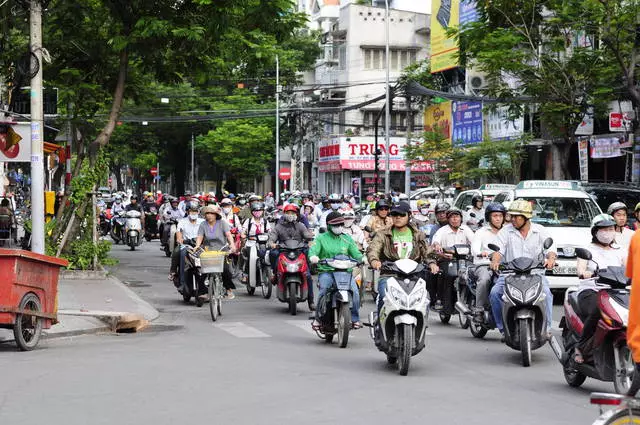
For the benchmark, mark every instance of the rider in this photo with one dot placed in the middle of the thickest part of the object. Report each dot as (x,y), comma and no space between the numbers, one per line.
(380,219)
(441,218)
(623,234)
(256,225)
(494,220)
(246,212)
(636,214)
(401,240)
(171,213)
(227,214)
(422,218)
(352,229)
(604,253)
(520,238)
(328,245)
(117,206)
(186,234)
(183,204)
(335,203)
(290,228)
(477,209)
(149,202)
(309,208)
(135,206)
(454,233)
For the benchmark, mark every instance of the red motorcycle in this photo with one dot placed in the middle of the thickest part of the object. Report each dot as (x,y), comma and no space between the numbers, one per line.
(292,270)
(609,359)
(235,259)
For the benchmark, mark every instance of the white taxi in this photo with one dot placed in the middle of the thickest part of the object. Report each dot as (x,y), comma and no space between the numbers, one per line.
(487,191)
(566,211)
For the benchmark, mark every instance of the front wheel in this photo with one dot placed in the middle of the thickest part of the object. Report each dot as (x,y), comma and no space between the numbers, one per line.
(251,289)
(266,287)
(525,342)
(406,346)
(293,298)
(628,416)
(344,324)
(573,377)
(464,296)
(213,301)
(27,329)
(444,318)
(626,380)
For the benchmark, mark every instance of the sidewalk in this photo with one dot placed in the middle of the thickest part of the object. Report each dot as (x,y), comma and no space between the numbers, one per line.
(88,306)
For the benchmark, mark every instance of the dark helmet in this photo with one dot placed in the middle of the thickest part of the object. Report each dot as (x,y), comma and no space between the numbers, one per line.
(193,206)
(335,219)
(494,207)
(476,198)
(382,204)
(133,198)
(452,211)
(442,207)
(257,206)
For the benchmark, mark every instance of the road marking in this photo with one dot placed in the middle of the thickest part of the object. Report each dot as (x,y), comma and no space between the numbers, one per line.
(240,330)
(305,325)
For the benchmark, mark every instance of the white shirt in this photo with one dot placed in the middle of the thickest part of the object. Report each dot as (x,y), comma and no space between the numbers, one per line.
(481,240)
(171,213)
(446,237)
(188,229)
(624,238)
(614,256)
(257,226)
(513,245)
(356,233)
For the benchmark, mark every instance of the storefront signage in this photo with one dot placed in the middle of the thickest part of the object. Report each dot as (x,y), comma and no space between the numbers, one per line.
(467,123)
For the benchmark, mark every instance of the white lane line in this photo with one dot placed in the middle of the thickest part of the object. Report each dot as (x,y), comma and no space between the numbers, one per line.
(305,325)
(240,330)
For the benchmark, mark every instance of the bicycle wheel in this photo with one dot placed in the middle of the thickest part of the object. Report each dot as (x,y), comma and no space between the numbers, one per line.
(625,417)
(213,302)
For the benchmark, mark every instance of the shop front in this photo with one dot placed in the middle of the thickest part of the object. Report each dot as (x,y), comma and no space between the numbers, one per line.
(347,165)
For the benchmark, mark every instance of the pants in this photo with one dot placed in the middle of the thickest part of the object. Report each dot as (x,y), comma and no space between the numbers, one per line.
(273,260)
(495,297)
(164,234)
(382,290)
(484,278)
(588,301)
(325,280)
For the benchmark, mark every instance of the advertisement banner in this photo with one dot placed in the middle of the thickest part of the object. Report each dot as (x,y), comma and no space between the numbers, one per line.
(444,50)
(635,164)
(356,188)
(15,142)
(438,116)
(467,123)
(605,148)
(468,12)
(583,159)
(585,128)
(501,127)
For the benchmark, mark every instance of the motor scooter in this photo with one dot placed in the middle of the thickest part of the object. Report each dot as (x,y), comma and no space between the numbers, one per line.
(170,245)
(452,272)
(133,229)
(117,227)
(291,274)
(151,223)
(259,272)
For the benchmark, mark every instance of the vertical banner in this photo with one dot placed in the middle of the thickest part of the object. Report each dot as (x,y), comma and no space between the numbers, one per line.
(444,50)
(468,12)
(356,188)
(467,123)
(635,165)
(438,116)
(583,159)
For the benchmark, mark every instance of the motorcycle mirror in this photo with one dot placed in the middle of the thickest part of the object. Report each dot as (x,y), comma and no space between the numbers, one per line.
(547,243)
(368,229)
(322,230)
(472,215)
(493,247)
(584,254)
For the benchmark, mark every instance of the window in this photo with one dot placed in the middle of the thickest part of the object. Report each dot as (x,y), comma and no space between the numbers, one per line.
(404,59)
(394,60)
(367,59)
(399,59)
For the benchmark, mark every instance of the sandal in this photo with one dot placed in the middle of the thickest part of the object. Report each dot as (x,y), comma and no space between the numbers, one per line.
(356,325)
(172,276)
(577,357)
(230,295)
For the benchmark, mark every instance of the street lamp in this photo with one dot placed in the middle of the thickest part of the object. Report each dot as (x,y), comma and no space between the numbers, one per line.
(387,174)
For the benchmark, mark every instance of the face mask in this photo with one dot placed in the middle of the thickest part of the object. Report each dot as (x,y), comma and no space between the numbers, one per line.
(226,210)
(424,211)
(257,214)
(290,218)
(335,206)
(193,216)
(242,202)
(605,236)
(348,223)
(337,230)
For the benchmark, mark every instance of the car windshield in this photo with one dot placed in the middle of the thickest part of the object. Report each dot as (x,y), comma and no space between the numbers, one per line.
(561,212)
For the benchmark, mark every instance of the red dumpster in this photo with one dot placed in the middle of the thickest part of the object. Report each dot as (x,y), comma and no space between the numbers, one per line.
(28,294)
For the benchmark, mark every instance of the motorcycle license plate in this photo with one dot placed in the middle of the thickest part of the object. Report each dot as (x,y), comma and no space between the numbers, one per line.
(565,270)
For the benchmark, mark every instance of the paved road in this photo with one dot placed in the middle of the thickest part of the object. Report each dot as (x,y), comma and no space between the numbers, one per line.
(258,365)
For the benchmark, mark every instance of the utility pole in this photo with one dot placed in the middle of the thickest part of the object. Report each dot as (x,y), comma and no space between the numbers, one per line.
(387,121)
(37,131)
(193,168)
(407,162)
(277,128)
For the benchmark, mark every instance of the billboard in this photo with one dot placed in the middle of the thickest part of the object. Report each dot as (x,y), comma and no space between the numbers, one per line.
(467,123)
(438,115)
(444,50)
(15,142)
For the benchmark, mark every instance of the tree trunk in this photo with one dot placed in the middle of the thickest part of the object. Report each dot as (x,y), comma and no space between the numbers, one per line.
(560,152)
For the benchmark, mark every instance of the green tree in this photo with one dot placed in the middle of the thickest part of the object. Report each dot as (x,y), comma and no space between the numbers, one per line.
(496,161)
(436,149)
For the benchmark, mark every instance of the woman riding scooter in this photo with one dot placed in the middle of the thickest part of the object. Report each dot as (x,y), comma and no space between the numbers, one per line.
(605,253)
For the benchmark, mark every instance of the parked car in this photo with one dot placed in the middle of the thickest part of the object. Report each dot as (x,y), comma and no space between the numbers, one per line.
(606,194)
(488,192)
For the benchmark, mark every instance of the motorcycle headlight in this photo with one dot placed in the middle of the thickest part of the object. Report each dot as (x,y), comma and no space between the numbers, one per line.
(292,267)
(515,293)
(292,255)
(416,297)
(398,295)
(532,292)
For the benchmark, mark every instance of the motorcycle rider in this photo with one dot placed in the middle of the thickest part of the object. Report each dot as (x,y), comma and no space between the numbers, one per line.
(520,238)
(171,213)
(335,203)
(148,202)
(308,209)
(183,204)
(623,234)
(186,231)
(380,219)
(422,219)
(246,212)
(401,240)
(287,229)
(352,229)
(269,201)
(228,215)
(441,219)
(605,253)
(633,272)
(494,220)
(477,209)
(256,225)
(135,206)
(328,245)
(117,206)
(453,233)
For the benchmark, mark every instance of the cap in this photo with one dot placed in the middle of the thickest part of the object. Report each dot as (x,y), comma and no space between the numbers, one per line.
(401,208)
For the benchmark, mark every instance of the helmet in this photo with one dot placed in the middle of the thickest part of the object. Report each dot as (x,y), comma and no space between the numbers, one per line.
(348,214)
(253,198)
(616,206)
(133,198)
(226,201)
(476,198)
(493,207)
(193,206)
(270,194)
(601,220)
(174,201)
(423,203)
(230,195)
(521,207)
(335,219)
(442,207)
(291,207)
(211,209)
(382,204)
(334,197)
(637,207)
(403,197)
(310,205)
(159,192)
(452,211)
(257,206)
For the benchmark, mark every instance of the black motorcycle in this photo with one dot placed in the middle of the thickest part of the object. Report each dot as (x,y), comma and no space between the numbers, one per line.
(448,280)
(151,223)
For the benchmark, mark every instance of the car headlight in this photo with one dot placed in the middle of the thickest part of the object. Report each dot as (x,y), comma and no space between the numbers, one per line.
(515,293)
(531,292)
(416,297)
(293,267)
(398,295)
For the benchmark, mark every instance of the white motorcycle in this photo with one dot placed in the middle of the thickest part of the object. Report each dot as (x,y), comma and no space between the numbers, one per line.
(400,330)
(258,274)
(171,237)
(133,229)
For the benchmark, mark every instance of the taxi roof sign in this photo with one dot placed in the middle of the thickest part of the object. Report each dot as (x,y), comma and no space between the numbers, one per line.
(496,186)
(547,184)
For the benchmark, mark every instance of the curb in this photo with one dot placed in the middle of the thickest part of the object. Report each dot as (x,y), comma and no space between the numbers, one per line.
(153,313)
(77,332)
(83,275)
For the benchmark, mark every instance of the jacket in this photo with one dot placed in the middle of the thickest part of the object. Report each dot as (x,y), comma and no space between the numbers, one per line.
(378,223)
(328,245)
(381,247)
(284,231)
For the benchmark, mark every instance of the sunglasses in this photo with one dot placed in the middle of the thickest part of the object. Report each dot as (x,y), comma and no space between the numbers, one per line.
(383,209)
(397,214)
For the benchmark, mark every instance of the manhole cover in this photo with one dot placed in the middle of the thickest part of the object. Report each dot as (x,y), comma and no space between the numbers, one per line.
(136,283)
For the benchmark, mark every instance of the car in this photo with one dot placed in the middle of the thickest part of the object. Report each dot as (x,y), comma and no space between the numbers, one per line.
(606,194)
(432,194)
(488,191)
(566,210)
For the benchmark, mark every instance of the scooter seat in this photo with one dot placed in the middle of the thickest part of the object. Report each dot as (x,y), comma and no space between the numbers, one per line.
(575,305)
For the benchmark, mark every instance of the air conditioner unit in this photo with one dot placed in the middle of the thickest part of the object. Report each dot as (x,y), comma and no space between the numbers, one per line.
(475,80)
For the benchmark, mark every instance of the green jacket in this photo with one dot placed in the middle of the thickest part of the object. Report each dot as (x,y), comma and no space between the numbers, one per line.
(327,245)
(381,247)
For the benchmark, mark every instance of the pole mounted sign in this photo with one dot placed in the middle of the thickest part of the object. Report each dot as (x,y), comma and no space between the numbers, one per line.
(153,171)
(285,174)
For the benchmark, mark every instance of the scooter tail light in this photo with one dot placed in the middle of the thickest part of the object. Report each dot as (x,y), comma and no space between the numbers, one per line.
(607,399)
(608,313)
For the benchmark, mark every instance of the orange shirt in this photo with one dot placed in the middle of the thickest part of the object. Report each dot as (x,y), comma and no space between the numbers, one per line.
(633,272)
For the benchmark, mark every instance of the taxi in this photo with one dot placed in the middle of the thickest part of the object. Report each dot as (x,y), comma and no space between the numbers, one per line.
(566,210)
(487,191)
